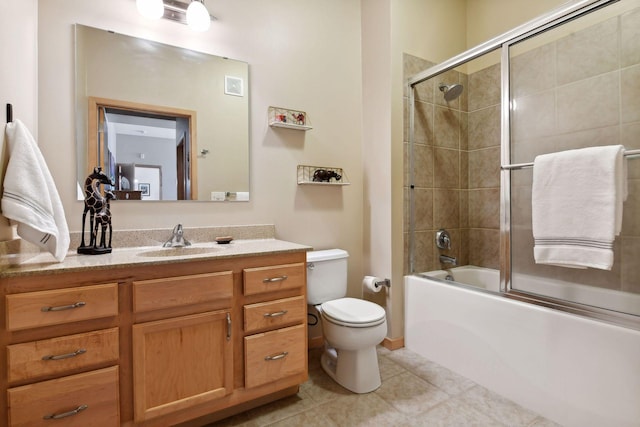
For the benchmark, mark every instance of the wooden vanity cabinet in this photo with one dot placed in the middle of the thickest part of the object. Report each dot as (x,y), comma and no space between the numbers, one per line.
(182,361)
(52,375)
(280,349)
(177,343)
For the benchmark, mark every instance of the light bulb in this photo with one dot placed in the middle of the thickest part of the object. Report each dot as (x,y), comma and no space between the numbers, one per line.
(198,16)
(152,9)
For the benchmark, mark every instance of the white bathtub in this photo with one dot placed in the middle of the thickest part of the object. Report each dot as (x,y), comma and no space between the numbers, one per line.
(570,369)
(489,279)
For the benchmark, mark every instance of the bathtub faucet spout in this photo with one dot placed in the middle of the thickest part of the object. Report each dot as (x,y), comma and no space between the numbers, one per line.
(444,259)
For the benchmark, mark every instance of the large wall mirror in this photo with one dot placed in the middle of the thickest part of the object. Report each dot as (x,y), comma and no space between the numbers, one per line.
(164,122)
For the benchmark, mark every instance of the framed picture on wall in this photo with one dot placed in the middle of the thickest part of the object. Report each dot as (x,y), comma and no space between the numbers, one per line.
(145,188)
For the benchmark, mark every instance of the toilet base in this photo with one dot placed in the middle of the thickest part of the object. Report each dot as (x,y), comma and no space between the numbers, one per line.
(355,370)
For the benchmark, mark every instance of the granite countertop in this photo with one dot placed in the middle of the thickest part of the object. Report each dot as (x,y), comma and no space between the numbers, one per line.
(44,263)
(147,255)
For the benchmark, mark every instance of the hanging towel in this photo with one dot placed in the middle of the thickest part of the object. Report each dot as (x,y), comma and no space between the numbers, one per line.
(577,199)
(30,197)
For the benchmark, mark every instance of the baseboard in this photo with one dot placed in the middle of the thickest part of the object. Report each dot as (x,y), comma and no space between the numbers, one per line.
(393,343)
(316,342)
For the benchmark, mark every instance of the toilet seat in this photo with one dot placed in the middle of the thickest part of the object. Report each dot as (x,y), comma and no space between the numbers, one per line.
(353,313)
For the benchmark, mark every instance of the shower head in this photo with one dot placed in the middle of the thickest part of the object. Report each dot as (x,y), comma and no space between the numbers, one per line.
(451,92)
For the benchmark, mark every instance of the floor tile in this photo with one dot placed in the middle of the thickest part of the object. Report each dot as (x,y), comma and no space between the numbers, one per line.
(415,392)
(445,379)
(497,407)
(453,412)
(410,394)
(363,410)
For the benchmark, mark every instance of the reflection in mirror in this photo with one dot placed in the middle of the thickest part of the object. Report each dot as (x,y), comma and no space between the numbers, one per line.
(137,102)
(130,136)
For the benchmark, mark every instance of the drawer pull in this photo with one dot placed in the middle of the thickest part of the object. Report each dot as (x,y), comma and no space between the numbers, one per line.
(66,414)
(228,326)
(277,356)
(274,279)
(64,307)
(276,314)
(65,356)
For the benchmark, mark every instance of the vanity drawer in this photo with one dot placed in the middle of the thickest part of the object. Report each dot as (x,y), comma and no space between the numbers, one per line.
(58,306)
(170,292)
(274,278)
(61,355)
(274,313)
(88,399)
(273,355)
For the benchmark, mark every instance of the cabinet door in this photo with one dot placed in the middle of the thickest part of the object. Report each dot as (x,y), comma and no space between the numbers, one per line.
(273,314)
(87,399)
(274,355)
(59,306)
(59,356)
(181,362)
(274,278)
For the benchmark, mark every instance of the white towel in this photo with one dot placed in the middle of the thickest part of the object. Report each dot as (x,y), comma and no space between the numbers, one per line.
(577,199)
(30,197)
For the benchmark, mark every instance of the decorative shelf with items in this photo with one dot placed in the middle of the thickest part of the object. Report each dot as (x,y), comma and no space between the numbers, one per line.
(321,175)
(287,118)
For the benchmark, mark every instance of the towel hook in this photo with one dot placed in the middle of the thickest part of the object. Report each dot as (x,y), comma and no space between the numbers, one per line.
(9,113)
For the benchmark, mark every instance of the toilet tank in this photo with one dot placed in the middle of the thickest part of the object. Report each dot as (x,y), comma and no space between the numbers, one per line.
(326,275)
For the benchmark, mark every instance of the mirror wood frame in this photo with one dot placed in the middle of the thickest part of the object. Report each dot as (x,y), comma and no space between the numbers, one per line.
(95,104)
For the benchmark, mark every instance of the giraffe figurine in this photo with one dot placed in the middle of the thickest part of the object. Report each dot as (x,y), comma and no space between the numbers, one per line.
(93,202)
(102,218)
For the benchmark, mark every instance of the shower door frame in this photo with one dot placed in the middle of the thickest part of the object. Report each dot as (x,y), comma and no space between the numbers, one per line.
(545,22)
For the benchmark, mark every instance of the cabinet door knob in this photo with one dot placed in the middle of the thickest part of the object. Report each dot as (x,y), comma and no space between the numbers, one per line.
(65,307)
(276,314)
(276,356)
(65,356)
(66,414)
(274,279)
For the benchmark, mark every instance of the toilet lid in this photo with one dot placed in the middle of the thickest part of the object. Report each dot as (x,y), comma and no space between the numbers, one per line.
(353,311)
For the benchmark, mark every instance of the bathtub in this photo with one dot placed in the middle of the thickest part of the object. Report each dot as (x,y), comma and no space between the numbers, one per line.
(573,370)
(489,279)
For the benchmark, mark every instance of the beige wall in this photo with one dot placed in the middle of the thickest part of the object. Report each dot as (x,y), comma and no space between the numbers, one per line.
(489,18)
(18,75)
(294,62)
(391,27)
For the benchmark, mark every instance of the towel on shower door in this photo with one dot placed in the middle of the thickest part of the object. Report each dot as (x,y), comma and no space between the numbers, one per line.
(576,203)
(30,197)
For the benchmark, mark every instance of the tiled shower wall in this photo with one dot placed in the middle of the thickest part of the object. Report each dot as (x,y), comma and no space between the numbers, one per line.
(579,90)
(457,167)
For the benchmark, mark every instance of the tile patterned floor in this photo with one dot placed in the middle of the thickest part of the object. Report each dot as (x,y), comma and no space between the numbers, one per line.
(414,392)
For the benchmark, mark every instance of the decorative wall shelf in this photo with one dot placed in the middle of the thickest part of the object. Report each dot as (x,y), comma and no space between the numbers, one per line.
(287,118)
(307,173)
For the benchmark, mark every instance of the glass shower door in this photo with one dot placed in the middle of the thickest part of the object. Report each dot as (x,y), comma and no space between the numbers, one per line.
(576,85)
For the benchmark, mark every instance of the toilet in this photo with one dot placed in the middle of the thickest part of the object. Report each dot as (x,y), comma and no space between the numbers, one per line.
(352,327)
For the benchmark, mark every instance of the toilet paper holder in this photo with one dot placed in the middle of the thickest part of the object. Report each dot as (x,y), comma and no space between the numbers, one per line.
(385,282)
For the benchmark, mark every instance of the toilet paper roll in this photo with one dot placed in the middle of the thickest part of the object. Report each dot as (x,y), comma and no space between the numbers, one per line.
(369,284)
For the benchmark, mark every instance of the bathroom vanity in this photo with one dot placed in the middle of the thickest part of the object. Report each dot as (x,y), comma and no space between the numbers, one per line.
(141,338)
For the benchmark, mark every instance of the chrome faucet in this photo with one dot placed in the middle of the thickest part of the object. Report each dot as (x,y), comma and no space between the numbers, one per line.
(445,259)
(443,239)
(177,239)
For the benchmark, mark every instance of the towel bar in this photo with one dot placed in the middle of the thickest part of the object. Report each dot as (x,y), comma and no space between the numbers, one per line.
(516,166)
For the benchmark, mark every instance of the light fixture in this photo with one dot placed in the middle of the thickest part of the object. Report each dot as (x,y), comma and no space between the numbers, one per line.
(198,16)
(194,14)
(152,9)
